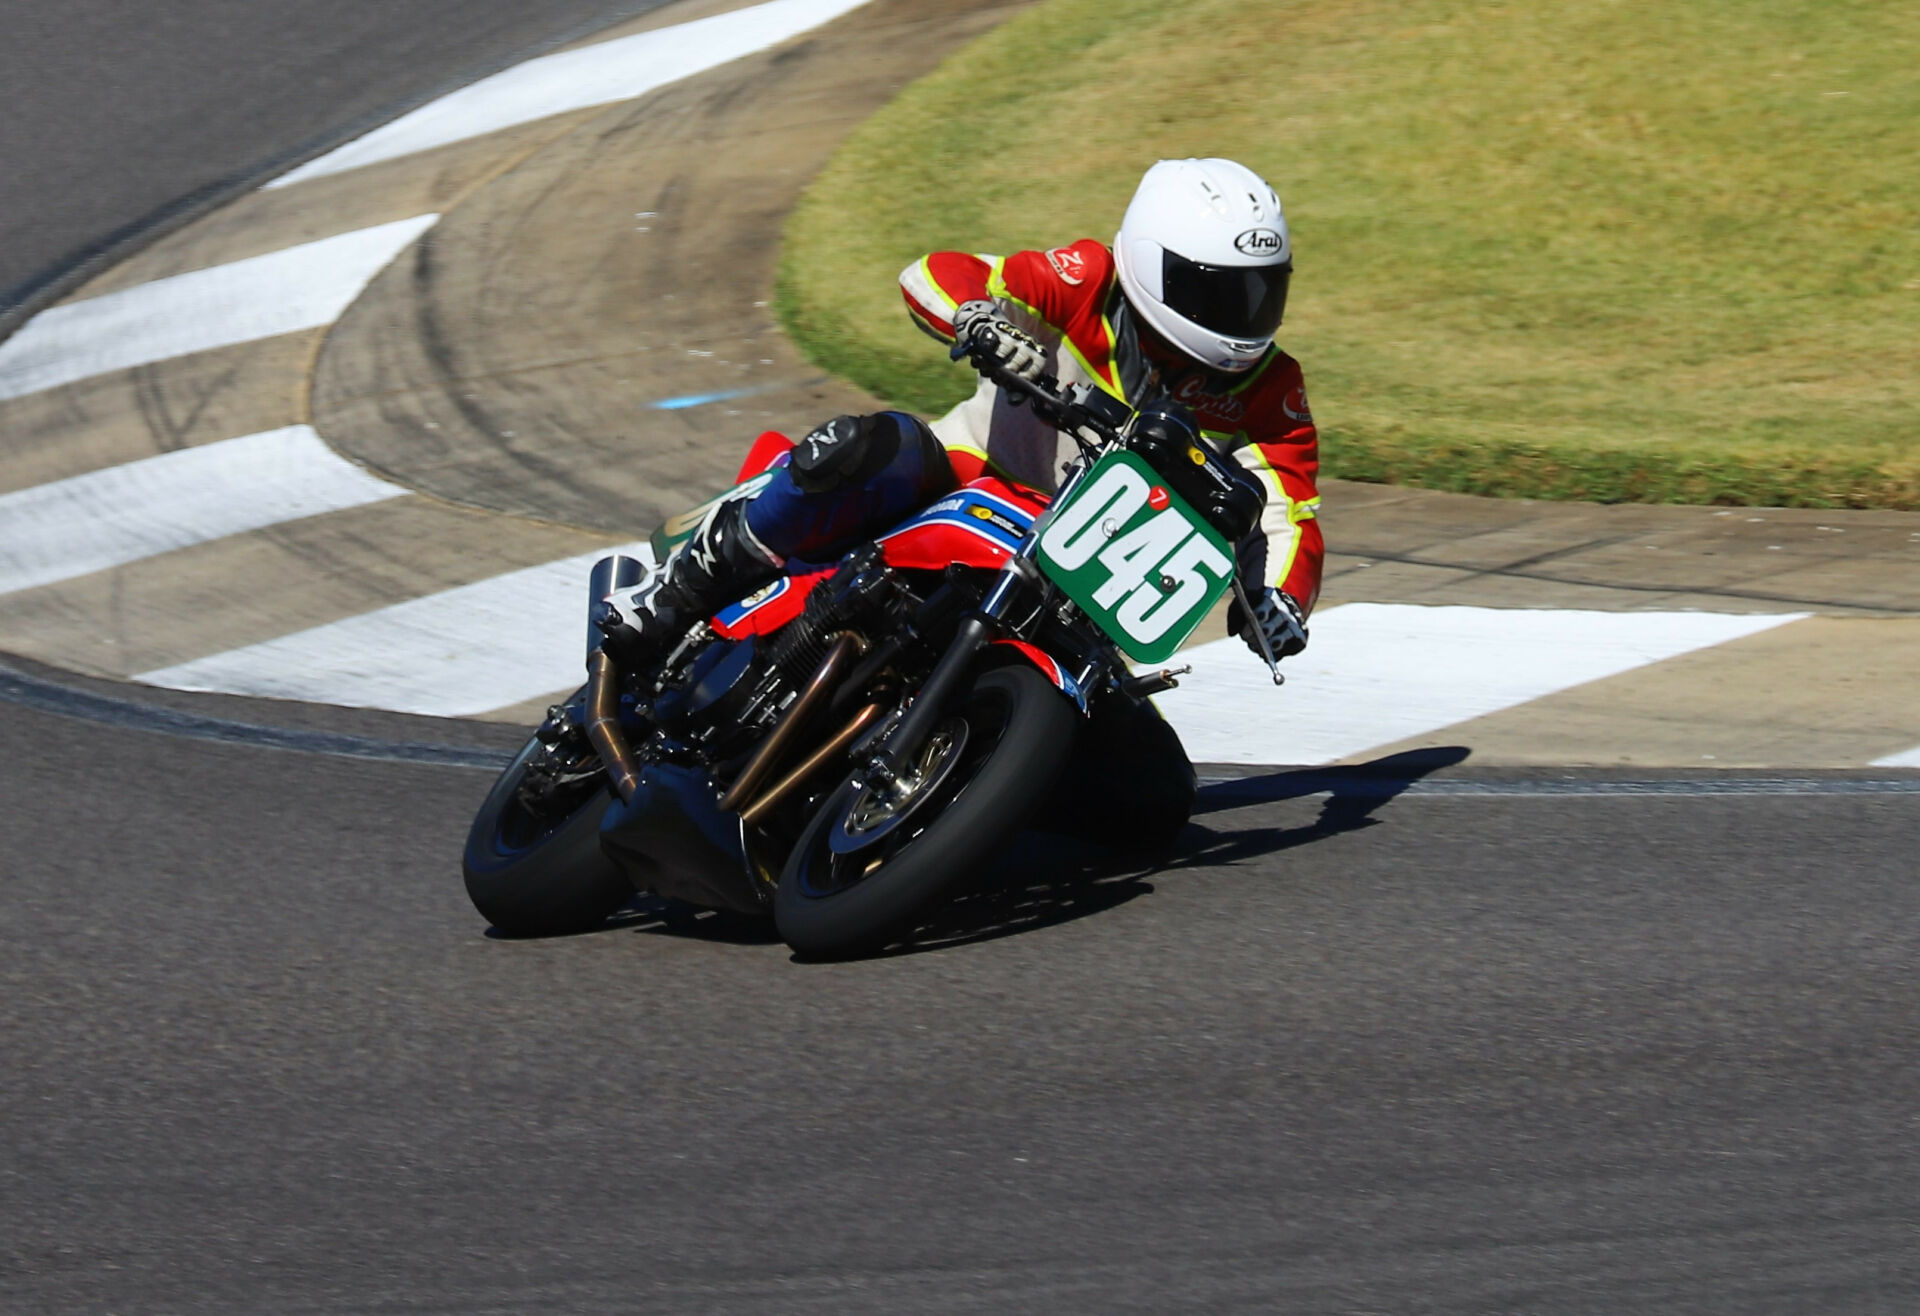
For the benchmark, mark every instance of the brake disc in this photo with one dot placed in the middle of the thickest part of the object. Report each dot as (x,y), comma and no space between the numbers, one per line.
(873,813)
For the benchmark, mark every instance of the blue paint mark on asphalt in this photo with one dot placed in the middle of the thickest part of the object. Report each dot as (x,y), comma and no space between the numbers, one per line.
(686,400)
(701,399)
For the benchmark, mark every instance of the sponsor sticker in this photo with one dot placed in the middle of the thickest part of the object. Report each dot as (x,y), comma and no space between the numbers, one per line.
(1003,523)
(1258,242)
(1069,264)
(1214,406)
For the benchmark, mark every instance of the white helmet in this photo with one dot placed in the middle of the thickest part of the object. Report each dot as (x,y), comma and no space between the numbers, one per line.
(1204,257)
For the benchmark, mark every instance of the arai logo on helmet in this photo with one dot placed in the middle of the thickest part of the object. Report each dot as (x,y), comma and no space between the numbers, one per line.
(1258,242)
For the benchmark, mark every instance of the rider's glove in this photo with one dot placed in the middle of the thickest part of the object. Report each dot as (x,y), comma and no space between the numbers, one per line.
(1279,619)
(980,327)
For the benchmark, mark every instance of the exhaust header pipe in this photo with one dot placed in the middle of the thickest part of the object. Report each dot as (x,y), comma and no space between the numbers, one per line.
(603,726)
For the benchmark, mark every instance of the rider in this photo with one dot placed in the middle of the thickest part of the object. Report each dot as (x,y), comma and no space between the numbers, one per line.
(1183,307)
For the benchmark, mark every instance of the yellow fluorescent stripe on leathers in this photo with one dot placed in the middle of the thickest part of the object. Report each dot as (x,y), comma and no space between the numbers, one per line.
(1048,332)
(1280,522)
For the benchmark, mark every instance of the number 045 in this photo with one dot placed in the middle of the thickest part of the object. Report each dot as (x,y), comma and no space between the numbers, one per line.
(1158,571)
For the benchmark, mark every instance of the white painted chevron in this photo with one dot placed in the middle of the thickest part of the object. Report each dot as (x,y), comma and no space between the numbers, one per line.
(302,287)
(598,74)
(1376,673)
(120,514)
(483,646)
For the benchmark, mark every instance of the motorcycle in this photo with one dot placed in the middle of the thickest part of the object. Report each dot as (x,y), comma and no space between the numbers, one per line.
(842,748)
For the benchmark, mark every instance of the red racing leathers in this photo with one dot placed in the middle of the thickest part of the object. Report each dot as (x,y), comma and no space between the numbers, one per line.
(1069,299)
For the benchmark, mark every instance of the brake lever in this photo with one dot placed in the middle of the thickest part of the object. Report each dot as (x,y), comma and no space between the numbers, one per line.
(1266,649)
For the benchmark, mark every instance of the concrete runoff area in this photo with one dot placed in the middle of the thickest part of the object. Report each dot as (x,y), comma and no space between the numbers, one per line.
(515,362)
(120,514)
(235,592)
(1824,692)
(300,287)
(1380,672)
(116,131)
(1392,544)
(124,416)
(581,345)
(617,69)
(468,650)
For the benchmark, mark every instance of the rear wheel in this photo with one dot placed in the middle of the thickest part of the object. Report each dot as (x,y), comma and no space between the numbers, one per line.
(539,871)
(866,868)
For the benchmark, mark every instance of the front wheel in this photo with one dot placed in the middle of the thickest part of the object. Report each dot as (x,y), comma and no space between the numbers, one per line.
(862,872)
(541,874)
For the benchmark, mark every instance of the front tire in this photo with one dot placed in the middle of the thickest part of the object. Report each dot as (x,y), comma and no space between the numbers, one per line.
(1019,733)
(540,877)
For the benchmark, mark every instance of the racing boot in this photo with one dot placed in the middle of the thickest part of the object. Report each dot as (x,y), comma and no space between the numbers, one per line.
(721,563)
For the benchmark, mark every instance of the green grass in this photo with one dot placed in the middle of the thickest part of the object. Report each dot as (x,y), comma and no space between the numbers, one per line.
(1600,249)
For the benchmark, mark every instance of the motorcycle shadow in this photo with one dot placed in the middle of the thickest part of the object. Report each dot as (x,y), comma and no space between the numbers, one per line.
(1354,794)
(660,917)
(1044,880)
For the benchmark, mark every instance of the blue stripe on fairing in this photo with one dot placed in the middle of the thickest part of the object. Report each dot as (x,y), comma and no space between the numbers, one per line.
(735,613)
(958,518)
(978,529)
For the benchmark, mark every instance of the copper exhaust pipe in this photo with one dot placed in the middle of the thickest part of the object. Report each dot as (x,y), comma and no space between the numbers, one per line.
(603,726)
(760,808)
(846,647)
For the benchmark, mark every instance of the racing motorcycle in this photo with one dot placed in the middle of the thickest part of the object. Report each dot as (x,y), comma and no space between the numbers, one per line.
(844,747)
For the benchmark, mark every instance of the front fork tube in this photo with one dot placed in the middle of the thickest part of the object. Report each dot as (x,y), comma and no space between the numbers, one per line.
(900,750)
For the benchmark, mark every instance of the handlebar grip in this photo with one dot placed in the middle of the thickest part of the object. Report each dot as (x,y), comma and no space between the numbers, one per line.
(1046,390)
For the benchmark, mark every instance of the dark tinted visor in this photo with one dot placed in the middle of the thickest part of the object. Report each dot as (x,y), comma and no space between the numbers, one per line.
(1235,301)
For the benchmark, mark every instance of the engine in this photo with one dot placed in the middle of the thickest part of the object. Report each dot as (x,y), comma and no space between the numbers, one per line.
(730,692)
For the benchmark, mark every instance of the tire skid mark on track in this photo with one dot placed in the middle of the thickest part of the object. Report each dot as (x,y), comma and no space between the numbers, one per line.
(1217,792)
(131,715)
(299,287)
(121,514)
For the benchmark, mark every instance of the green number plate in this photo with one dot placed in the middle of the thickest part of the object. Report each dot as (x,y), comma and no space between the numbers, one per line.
(1136,557)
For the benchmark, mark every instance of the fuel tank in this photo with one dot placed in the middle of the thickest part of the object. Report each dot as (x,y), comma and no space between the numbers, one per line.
(979,525)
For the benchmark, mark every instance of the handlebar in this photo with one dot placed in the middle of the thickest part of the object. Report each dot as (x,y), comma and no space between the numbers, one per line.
(1068,408)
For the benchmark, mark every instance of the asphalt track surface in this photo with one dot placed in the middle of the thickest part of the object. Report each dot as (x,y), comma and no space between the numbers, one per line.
(1375,1051)
(120,117)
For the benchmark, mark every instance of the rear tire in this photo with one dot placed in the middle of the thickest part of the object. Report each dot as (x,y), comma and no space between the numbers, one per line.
(535,878)
(1020,731)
